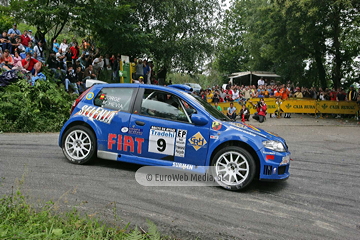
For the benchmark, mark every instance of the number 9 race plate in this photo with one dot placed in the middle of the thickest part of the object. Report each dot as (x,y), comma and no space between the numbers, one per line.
(161,140)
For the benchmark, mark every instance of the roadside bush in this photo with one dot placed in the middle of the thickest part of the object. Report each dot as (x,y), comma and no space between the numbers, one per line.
(40,108)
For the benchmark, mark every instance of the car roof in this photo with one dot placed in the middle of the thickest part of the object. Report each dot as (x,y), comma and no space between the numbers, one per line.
(181,89)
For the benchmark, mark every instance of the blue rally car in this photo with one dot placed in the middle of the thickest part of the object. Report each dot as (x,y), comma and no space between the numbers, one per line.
(169,126)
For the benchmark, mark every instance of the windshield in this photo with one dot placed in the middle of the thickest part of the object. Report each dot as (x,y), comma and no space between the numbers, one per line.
(209,108)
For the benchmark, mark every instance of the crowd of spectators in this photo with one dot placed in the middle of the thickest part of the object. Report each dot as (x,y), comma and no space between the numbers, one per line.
(70,63)
(237,93)
(241,93)
(17,51)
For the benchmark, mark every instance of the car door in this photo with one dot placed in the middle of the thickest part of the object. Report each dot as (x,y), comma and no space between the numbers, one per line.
(163,120)
(116,104)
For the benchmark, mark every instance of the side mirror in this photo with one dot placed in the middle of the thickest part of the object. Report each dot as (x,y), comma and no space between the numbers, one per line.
(199,119)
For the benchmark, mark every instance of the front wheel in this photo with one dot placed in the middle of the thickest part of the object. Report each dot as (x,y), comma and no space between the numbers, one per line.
(79,145)
(233,168)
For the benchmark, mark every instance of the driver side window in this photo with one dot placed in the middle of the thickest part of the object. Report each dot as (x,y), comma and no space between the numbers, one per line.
(165,105)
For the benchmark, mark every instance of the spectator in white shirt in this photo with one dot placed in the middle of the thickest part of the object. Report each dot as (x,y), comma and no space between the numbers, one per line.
(64,46)
(61,58)
(98,64)
(261,82)
(39,52)
(236,94)
(32,38)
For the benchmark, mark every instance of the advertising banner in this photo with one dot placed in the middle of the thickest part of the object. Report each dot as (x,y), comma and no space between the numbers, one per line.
(342,107)
(297,106)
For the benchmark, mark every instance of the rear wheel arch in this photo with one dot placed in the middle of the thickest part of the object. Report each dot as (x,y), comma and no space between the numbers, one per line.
(77,123)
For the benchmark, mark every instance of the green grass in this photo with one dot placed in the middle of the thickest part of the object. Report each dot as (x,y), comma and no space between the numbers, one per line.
(19,220)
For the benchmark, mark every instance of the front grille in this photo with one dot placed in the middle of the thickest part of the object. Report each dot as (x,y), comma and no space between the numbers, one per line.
(267,170)
(281,170)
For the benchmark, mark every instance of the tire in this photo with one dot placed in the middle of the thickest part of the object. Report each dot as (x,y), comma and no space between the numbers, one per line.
(79,145)
(233,168)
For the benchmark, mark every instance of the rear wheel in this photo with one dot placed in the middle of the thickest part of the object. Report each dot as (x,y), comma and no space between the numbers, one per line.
(233,168)
(79,145)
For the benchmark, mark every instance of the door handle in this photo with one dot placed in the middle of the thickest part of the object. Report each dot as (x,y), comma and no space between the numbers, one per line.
(140,123)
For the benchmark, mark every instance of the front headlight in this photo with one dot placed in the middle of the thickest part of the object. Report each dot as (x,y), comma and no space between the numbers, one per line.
(274,145)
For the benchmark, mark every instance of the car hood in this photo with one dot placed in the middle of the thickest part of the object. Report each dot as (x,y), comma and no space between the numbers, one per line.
(254,130)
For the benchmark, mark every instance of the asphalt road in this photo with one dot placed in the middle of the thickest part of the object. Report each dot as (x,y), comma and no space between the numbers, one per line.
(320,200)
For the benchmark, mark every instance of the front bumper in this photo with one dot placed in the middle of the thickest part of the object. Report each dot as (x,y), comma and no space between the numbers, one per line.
(274,165)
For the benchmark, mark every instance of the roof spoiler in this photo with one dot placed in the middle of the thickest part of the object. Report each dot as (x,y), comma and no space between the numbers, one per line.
(182,87)
(91,82)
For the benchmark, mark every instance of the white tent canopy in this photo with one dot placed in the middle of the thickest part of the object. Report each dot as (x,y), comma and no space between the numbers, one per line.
(249,74)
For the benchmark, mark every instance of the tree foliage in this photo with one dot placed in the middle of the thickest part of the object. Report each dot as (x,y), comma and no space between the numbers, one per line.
(109,23)
(306,41)
(176,33)
(231,54)
(180,32)
(45,15)
(81,17)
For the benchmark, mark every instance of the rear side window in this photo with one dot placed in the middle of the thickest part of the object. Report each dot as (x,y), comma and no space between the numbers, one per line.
(115,98)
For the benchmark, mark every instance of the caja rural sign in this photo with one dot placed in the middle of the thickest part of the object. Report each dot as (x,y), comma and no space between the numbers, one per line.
(299,106)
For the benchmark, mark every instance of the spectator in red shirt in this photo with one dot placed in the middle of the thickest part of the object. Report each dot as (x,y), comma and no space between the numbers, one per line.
(261,110)
(229,94)
(333,94)
(75,52)
(31,64)
(25,39)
